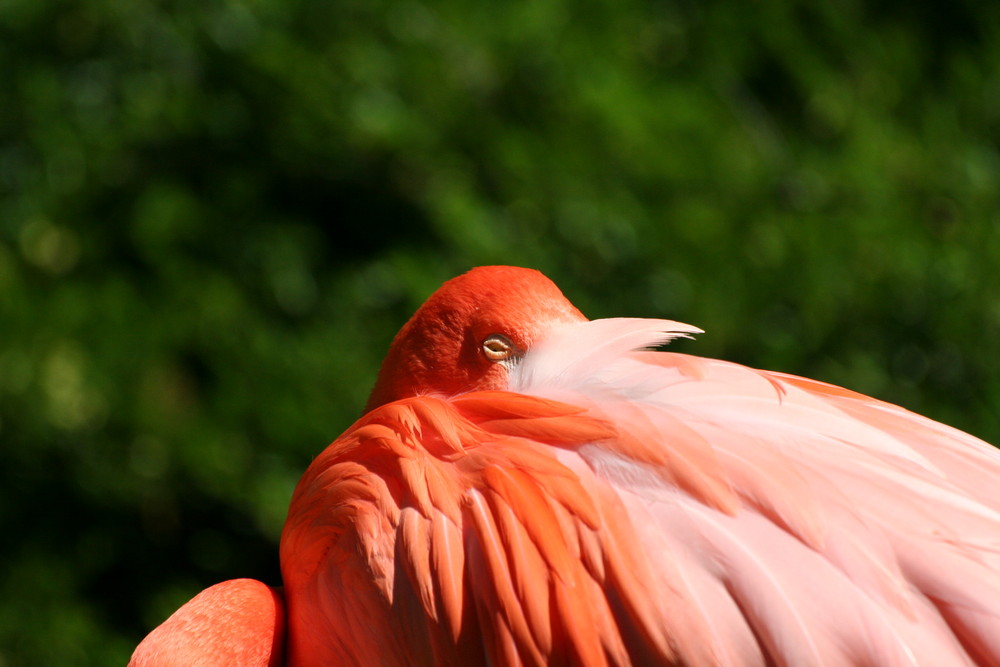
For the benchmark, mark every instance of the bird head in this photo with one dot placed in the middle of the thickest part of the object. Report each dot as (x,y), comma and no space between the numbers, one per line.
(470,333)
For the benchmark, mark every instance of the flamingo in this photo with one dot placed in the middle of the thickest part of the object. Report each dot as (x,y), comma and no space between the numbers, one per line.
(530,487)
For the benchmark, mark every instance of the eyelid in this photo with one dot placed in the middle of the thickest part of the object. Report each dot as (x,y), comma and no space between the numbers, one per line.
(497,348)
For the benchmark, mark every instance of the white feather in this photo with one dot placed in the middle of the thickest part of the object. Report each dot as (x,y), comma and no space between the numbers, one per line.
(577,353)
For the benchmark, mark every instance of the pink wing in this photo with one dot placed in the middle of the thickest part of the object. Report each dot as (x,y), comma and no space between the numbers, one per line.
(646,508)
(806,524)
(236,622)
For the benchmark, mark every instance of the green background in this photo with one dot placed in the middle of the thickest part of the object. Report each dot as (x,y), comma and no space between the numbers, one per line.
(214,215)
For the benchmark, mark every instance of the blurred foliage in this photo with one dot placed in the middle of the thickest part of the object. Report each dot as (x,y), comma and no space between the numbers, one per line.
(214,215)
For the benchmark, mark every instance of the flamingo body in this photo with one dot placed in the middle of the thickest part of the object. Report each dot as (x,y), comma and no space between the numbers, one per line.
(562,497)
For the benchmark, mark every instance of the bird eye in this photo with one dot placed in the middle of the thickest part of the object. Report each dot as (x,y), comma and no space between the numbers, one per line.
(498,347)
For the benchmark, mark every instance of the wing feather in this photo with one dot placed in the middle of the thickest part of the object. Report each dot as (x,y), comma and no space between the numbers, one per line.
(859,488)
(448,559)
(503,572)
